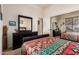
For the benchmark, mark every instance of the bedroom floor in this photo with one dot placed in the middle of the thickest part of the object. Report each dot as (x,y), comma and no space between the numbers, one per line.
(12,52)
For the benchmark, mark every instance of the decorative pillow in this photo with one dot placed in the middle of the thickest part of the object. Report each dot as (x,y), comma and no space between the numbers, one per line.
(70,36)
(71,49)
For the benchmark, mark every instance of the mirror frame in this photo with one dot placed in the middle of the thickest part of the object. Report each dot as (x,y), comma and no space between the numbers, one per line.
(21,16)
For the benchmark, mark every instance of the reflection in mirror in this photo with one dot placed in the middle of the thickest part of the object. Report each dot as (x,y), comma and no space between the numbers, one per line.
(25,23)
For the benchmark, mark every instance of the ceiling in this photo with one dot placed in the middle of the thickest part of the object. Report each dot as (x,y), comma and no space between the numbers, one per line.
(43,6)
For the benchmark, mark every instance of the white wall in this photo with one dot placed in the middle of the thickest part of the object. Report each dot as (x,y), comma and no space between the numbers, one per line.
(0,37)
(1,25)
(10,12)
(57,10)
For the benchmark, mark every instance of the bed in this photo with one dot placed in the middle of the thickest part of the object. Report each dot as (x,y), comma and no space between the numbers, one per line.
(51,46)
(73,36)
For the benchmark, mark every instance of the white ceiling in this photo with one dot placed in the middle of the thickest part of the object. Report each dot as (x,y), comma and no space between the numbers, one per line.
(43,6)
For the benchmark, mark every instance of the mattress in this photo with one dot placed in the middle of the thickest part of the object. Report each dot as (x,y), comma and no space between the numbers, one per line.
(50,46)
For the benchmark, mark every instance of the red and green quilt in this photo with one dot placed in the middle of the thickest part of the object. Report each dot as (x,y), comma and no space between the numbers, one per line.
(50,46)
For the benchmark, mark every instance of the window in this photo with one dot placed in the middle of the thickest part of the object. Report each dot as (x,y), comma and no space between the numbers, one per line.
(72,24)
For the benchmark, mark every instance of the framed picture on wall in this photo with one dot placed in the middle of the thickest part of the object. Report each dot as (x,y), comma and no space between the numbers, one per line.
(12,23)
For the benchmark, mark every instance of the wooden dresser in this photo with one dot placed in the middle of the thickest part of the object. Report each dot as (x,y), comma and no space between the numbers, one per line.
(17,38)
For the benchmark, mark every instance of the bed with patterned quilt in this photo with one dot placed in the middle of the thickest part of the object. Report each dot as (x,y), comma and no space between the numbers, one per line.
(51,46)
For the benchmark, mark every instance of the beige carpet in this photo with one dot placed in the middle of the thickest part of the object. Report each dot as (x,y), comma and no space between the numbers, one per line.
(12,52)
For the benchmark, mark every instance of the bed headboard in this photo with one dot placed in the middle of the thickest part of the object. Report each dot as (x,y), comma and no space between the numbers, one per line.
(34,37)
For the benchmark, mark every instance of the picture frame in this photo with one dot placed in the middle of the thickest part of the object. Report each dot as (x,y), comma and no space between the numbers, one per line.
(12,23)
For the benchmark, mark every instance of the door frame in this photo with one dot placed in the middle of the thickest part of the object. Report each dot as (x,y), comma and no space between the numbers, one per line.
(42,23)
(52,25)
(51,32)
